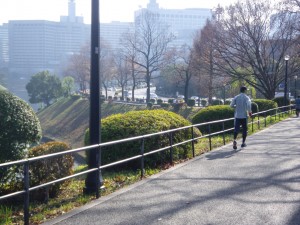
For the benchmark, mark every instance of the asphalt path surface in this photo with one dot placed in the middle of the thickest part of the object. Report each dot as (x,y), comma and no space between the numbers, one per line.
(259,184)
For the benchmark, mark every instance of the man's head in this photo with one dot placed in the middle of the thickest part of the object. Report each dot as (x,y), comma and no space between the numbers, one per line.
(243,89)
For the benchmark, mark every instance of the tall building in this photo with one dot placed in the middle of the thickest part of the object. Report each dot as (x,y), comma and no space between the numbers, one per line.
(3,46)
(183,23)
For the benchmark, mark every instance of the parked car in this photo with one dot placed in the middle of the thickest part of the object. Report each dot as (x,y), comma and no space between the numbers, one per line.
(196,98)
(153,96)
(180,97)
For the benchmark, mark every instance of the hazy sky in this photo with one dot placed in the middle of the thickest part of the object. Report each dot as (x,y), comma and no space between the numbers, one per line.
(110,10)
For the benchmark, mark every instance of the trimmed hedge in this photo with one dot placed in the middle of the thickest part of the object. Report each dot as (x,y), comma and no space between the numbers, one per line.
(191,102)
(212,113)
(280,101)
(264,104)
(47,170)
(136,123)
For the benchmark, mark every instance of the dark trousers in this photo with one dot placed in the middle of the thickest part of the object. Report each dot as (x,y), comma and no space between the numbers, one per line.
(240,122)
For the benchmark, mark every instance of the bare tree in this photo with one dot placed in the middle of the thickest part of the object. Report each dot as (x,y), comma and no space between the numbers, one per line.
(150,41)
(251,45)
(122,71)
(204,58)
(79,68)
(105,64)
(130,54)
(181,62)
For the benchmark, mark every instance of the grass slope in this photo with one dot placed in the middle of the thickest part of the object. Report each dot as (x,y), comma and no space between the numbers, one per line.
(67,119)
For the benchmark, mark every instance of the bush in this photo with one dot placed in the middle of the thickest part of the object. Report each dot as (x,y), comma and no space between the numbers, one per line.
(149,105)
(264,104)
(170,100)
(136,123)
(47,170)
(254,107)
(19,128)
(212,113)
(159,101)
(203,102)
(165,105)
(191,102)
(178,106)
(280,101)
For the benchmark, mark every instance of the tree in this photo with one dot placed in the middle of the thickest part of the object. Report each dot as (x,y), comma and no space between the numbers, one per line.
(150,41)
(20,128)
(122,71)
(182,64)
(44,87)
(67,85)
(79,68)
(251,45)
(204,58)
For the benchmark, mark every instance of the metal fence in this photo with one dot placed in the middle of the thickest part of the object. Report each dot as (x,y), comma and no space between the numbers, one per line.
(261,118)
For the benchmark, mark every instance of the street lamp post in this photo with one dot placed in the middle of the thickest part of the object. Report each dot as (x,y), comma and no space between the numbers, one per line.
(286,58)
(295,95)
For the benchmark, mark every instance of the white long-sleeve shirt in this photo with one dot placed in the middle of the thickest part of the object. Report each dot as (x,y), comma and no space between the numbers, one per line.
(242,105)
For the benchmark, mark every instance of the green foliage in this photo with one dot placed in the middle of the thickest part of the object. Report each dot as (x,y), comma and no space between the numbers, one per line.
(254,107)
(280,101)
(191,102)
(143,122)
(19,127)
(149,105)
(46,170)
(44,87)
(212,113)
(159,101)
(203,102)
(68,85)
(264,104)
(170,100)
(178,106)
(152,100)
(165,105)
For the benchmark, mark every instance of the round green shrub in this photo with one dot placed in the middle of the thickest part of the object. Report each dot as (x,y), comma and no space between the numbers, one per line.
(19,127)
(149,105)
(264,104)
(212,113)
(136,123)
(203,102)
(191,102)
(159,101)
(50,169)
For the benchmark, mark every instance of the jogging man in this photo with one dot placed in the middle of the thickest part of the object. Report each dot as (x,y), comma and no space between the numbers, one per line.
(242,105)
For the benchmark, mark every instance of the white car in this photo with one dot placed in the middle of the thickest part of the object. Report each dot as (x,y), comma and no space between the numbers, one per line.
(153,96)
(196,98)
(180,96)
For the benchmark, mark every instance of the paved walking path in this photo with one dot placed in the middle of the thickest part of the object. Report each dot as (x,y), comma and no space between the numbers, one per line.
(259,184)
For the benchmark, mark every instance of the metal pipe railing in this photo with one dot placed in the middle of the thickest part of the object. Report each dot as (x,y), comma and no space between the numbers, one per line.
(141,156)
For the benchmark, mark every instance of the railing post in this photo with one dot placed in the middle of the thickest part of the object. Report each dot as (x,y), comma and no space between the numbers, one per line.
(171,147)
(193,145)
(209,137)
(223,126)
(142,159)
(26,194)
(265,114)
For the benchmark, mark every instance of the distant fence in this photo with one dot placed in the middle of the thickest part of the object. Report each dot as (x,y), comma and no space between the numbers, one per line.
(261,118)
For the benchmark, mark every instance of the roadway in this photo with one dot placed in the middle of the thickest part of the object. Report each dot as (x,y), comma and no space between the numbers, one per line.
(259,184)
